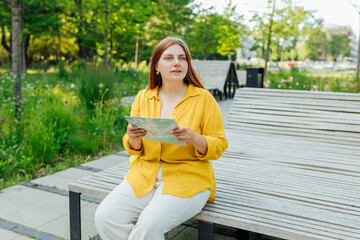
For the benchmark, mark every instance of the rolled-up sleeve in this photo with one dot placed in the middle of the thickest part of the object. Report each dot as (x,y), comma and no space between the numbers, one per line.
(135,109)
(213,131)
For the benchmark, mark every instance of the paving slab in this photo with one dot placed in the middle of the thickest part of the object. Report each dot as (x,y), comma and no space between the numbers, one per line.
(37,198)
(25,214)
(7,234)
(57,181)
(22,238)
(88,211)
(60,227)
(106,162)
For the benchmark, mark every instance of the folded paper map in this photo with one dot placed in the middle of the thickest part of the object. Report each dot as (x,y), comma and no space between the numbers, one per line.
(158,129)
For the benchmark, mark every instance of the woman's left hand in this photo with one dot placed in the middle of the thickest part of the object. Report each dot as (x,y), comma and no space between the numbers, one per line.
(187,136)
(184,135)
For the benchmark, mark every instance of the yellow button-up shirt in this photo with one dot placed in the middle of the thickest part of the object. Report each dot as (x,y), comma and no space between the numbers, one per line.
(185,171)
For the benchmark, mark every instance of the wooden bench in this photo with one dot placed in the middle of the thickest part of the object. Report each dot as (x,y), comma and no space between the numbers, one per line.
(241,75)
(218,76)
(292,169)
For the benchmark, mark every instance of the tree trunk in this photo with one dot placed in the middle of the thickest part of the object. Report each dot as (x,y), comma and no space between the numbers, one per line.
(16,52)
(28,57)
(79,36)
(23,42)
(59,48)
(106,35)
(137,50)
(205,55)
(111,47)
(268,44)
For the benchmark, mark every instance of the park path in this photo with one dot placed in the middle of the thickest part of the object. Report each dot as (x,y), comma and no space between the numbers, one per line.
(39,209)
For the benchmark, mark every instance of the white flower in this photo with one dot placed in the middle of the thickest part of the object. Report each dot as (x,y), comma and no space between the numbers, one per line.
(72,85)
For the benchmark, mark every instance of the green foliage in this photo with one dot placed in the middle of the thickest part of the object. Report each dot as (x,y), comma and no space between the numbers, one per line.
(317,45)
(107,120)
(202,37)
(303,80)
(229,32)
(95,84)
(170,18)
(339,45)
(128,75)
(56,129)
(283,27)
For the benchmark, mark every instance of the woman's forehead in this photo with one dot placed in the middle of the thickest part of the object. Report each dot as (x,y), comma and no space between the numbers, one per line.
(174,49)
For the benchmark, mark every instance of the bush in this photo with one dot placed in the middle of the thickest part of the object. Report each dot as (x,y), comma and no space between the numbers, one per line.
(65,116)
(130,80)
(96,83)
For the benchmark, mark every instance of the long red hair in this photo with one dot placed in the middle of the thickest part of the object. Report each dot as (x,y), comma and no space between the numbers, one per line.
(191,75)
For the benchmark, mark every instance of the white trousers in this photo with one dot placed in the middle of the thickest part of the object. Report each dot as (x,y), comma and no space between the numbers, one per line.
(121,215)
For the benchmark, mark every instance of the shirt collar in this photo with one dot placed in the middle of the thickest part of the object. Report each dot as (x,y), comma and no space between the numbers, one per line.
(190,92)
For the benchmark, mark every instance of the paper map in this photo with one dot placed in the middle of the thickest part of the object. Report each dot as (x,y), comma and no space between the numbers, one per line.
(158,129)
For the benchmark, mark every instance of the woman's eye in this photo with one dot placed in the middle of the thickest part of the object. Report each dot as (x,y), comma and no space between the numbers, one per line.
(168,58)
(183,58)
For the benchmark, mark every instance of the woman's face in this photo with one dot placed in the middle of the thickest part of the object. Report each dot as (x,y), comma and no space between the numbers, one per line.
(172,64)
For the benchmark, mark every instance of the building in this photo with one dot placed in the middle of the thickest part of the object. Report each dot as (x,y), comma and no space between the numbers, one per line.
(345,29)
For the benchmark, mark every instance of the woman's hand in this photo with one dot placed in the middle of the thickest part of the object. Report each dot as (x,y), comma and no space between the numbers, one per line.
(187,136)
(184,135)
(135,134)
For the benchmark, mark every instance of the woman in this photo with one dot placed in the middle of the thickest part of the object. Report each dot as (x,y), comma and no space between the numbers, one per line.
(167,184)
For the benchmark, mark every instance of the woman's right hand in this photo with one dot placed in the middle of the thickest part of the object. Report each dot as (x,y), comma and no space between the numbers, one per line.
(135,134)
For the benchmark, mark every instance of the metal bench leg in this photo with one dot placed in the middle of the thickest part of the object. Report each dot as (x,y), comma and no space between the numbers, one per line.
(75,216)
(205,230)
(242,234)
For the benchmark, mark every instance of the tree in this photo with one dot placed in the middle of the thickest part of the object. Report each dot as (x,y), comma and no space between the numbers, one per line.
(38,18)
(317,45)
(170,18)
(16,51)
(202,35)
(264,31)
(339,46)
(230,31)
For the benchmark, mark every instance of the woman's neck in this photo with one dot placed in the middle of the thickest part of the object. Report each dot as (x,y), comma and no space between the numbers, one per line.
(173,89)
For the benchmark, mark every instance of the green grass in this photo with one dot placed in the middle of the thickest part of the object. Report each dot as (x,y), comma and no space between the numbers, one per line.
(303,80)
(59,127)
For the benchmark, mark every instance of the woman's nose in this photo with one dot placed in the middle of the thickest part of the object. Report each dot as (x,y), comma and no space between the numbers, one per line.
(176,61)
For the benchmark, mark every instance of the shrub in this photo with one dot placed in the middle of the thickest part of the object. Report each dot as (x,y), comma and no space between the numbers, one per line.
(130,80)
(107,120)
(94,82)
